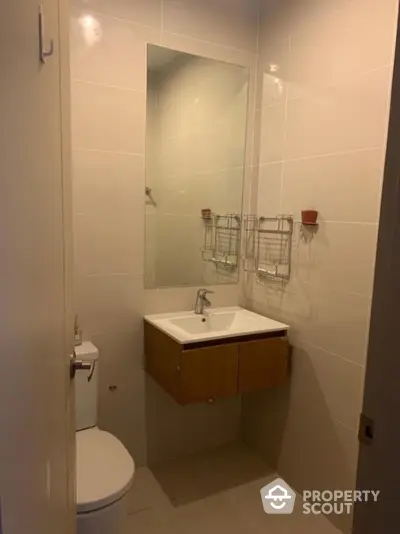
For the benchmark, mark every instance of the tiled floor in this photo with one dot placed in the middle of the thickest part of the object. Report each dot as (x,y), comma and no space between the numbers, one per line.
(217,492)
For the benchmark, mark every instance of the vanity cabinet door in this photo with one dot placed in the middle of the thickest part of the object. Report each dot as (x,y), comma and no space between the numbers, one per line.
(263,364)
(163,356)
(208,373)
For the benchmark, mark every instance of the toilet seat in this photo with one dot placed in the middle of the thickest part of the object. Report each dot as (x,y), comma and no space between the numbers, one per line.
(104,469)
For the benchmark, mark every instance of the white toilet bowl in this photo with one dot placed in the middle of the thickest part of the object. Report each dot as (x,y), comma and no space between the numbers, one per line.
(104,468)
(104,476)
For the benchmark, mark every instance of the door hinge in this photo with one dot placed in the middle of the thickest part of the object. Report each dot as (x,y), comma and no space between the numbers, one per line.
(366,430)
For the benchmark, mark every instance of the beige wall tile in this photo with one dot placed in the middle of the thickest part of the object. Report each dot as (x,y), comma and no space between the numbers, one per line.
(269,190)
(109,303)
(319,58)
(108,183)
(102,244)
(273,89)
(345,256)
(272,139)
(298,418)
(342,187)
(230,23)
(263,421)
(174,431)
(274,56)
(109,51)
(130,387)
(198,47)
(177,299)
(323,390)
(327,451)
(341,323)
(300,186)
(274,24)
(340,118)
(325,120)
(146,12)
(106,118)
(329,379)
(337,82)
(150,267)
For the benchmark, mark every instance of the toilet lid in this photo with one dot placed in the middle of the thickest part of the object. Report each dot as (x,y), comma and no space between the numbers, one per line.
(104,469)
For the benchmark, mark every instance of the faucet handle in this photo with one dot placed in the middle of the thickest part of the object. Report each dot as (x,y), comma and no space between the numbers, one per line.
(203,292)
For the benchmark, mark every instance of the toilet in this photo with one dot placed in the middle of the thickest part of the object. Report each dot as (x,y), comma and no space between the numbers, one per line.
(104,468)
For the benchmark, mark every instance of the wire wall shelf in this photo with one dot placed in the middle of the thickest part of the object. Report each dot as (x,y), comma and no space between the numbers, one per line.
(222,239)
(268,246)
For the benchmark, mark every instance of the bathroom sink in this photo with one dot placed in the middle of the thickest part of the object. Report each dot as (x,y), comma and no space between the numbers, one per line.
(213,322)
(187,327)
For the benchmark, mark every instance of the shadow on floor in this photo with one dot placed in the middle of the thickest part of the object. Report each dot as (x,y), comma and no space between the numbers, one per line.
(199,476)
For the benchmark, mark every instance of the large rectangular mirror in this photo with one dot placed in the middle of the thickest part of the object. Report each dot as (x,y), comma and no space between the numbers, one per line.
(195,157)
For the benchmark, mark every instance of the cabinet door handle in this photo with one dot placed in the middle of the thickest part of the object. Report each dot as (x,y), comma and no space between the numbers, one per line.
(43,52)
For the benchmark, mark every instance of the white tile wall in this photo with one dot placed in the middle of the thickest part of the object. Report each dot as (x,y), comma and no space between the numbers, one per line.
(319,141)
(231,23)
(323,104)
(108,64)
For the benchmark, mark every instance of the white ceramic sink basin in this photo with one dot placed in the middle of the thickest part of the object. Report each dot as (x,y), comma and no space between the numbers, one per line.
(187,327)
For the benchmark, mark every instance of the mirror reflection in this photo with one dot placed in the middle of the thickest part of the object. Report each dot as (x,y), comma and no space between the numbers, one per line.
(195,154)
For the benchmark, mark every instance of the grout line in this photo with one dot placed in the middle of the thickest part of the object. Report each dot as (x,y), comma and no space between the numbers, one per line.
(235,168)
(162,21)
(258,29)
(329,154)
(358,223)
(329,289)
(139,510)
(131,274)
(105,151)
(284,137)
(252,139)
(324,222)
(108,86)
(356,75)
(350,78)
(113,17)
(162,29)
(347,427)
(219,45)
(250,183)
(330,353)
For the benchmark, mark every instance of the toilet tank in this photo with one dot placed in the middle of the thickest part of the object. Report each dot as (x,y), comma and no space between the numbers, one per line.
(86,392)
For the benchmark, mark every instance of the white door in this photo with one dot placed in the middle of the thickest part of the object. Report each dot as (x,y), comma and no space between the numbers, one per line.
(36,337)
(379,461)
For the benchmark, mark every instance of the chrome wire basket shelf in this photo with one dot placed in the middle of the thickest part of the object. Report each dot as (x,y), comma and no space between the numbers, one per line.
(222,239)
(268,246)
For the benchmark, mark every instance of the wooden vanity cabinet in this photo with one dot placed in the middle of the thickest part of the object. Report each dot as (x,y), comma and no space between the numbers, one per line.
(263,363)
(206,371)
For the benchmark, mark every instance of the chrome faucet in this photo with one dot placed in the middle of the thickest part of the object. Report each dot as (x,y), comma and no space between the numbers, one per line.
(202,301)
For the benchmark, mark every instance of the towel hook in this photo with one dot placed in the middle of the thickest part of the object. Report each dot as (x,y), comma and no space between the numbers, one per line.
(42,50)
